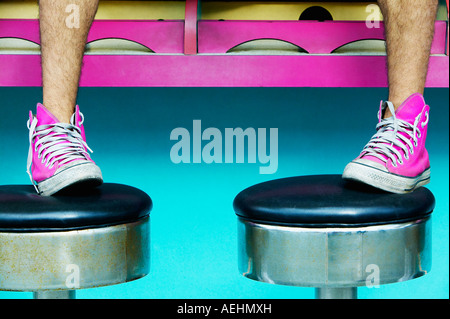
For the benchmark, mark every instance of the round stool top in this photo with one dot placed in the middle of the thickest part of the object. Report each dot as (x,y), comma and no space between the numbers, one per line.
(23,210)
(328,200)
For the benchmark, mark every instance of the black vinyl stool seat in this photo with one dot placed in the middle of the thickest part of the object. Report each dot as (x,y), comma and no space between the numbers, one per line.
(322,231)
(73,240)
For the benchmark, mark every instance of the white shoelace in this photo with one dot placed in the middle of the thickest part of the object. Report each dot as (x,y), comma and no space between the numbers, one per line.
(60,142)
(382,143)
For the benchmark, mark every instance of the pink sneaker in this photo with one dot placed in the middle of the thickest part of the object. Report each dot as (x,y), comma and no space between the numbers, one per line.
(58,154)
(395,159)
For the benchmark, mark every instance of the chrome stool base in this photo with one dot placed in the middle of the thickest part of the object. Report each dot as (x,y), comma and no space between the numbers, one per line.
(54,294)
(53,265)
(334,260)
(336,293)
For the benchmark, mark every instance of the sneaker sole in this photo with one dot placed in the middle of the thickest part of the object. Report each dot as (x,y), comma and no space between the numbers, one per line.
(385,180)
(86,174)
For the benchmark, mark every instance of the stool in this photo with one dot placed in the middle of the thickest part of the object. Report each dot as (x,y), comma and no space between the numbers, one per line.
(52,246)
(324,232)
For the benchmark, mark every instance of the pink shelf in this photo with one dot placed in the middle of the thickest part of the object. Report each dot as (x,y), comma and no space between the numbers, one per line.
(221,71)
(192,53)
(159,36)
(315,37)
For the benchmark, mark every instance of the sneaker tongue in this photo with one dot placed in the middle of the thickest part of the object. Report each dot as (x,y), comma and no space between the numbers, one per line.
(410,108)
(44,116)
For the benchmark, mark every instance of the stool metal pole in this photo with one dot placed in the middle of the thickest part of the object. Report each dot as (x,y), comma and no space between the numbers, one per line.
(336,293)
(54,294)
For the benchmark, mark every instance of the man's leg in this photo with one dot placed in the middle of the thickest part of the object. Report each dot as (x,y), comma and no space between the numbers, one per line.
(395,159)
(62,48)
(409,26)
(58,156)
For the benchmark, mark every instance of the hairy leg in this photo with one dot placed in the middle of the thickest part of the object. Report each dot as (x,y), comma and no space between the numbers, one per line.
(62,48)
(409,26)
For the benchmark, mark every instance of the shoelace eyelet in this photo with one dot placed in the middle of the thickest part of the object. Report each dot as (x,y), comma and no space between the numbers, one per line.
(426,121)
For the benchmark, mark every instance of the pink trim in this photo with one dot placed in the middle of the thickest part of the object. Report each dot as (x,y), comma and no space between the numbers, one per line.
(448,29)
(20,28)
(222,71)
(220,36)
(175,69)
(190,27)
(314,37)
(159,36)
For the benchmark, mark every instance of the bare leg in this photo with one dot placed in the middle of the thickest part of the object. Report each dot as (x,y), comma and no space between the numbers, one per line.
(62,48)
(409,32)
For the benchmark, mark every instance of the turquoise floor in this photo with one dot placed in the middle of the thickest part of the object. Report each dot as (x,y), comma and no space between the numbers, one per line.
(193,225)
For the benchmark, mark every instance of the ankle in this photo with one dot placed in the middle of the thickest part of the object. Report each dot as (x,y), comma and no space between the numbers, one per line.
(396,103)
(61,112)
